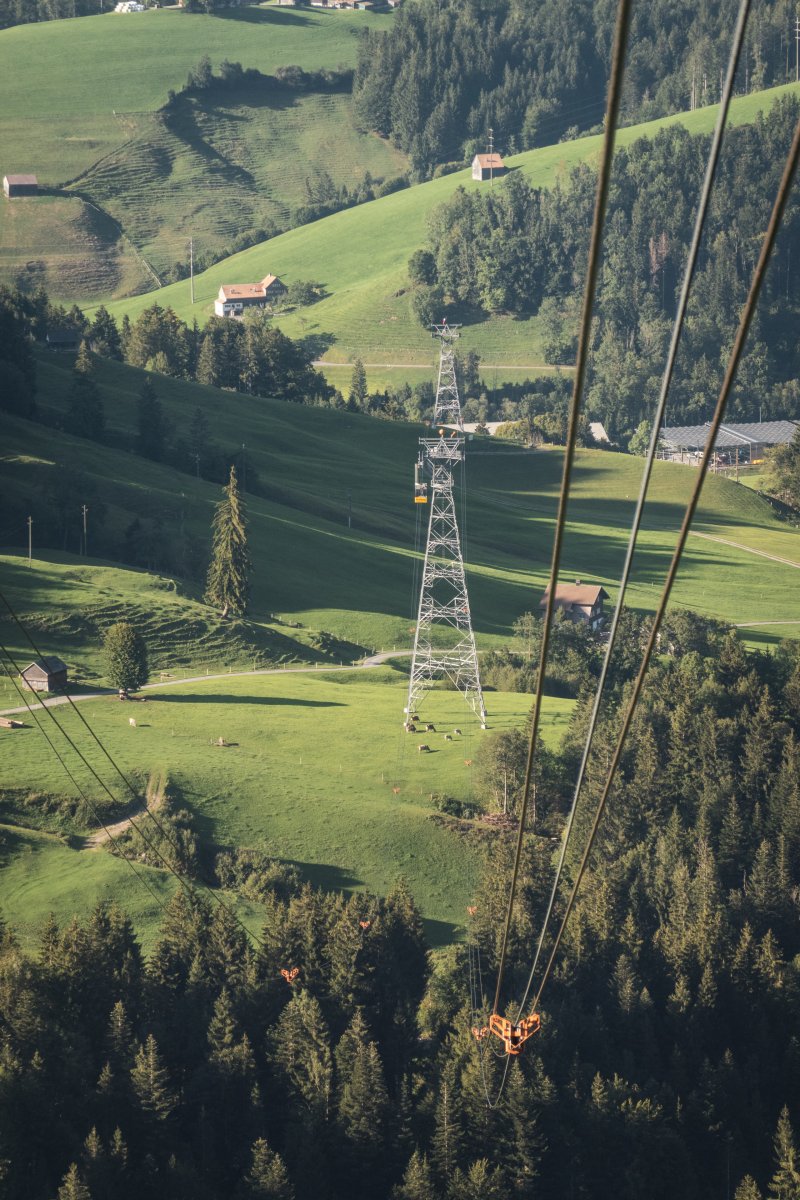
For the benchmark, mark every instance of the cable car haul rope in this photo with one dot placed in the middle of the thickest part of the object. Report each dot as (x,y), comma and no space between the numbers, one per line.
(513,1035)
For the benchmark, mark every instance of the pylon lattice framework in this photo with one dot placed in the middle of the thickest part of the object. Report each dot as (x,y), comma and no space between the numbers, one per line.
(443,599)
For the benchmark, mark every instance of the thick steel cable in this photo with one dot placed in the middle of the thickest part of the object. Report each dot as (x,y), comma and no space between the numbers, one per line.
(601,201)
(677,329)
(48,709)
(183,881)
(730,374)
(87,801)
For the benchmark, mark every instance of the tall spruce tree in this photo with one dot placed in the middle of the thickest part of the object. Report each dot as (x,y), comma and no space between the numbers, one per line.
(86,415)
(227,585)
(151,431)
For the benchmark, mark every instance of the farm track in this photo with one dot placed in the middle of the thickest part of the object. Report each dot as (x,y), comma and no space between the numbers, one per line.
(374,660)
(710,537)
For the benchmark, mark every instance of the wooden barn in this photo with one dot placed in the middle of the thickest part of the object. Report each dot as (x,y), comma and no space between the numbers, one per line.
(20,185)
(579,602)
(488,166)
(48,674)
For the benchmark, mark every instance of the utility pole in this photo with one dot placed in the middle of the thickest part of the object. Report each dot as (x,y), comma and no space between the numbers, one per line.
(84,510)
(191,268)
(196,458)
(491,159)
(796,49)
(444,642)
(349,510)
(244,467)
(30,540)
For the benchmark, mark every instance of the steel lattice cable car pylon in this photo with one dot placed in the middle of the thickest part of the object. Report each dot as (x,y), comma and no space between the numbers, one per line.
(443,599)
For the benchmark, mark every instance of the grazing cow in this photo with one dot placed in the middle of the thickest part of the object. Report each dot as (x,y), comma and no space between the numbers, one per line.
(132,721)
(395,791)
(430,728)
(447,737)
(467,762)
(423,749)
(410,728)
(457,732)
(414,717)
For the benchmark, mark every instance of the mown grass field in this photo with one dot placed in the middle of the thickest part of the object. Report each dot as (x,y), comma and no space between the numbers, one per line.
(211,168)
(361,255)
(309,775)
(81,95)
(358,583)
(317,755)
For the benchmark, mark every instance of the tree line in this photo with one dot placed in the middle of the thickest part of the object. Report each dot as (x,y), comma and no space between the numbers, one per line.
(535,71)
(667,1065)
(522,250)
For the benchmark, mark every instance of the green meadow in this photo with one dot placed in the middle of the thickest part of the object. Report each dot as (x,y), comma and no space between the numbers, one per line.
(315,754)
(79,102)
(318,770)
(361,255)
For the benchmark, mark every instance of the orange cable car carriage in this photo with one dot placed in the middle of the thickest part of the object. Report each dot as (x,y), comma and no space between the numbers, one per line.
(420,487)
(513,1036)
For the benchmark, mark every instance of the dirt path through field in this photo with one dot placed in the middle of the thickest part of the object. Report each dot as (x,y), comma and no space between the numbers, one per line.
(373,660)
(710,537)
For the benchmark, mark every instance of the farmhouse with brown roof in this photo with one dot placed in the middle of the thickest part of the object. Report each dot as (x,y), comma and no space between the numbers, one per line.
(487,166)
(234,298)
(579,602)
(20,185)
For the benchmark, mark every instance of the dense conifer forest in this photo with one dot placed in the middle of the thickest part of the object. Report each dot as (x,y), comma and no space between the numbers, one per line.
(535,70)
(669,1040)
(521,249)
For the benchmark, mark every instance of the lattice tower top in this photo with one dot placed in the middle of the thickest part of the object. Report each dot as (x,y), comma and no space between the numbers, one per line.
(448,407)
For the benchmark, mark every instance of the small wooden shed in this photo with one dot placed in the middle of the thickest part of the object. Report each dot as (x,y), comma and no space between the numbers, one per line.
(48,674)
(20,185)
(488,166)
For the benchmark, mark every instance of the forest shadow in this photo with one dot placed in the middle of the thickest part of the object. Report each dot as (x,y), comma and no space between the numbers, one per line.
(262,16)
(326,876)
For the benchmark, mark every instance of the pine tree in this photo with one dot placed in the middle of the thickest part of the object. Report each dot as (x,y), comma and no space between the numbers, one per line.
(357,400)
(150,1081)
(748,1189)
(126,657)
(480,1182)
(417,1182)
(85,414)
(267,1178)
(363,1109)
(73,1187)
(105,335)
(785,1183)
(227,586)
(151,432)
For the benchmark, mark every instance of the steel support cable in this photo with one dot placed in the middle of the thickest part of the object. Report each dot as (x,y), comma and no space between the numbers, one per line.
(730,374)
(96,776)
(666,381)
(182,880)
(601,201)
(32,712)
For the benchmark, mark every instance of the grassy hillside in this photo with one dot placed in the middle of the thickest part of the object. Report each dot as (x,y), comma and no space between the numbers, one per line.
(81,96)
(358,583)
(317,754)
(211,168)
(317,790)
(361,256)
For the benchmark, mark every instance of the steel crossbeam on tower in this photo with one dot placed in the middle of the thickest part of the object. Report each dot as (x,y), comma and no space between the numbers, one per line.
(444,643)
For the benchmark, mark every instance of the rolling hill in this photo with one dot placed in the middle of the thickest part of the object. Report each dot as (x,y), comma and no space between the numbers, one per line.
(81,103)
(311,758)
(360,256)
